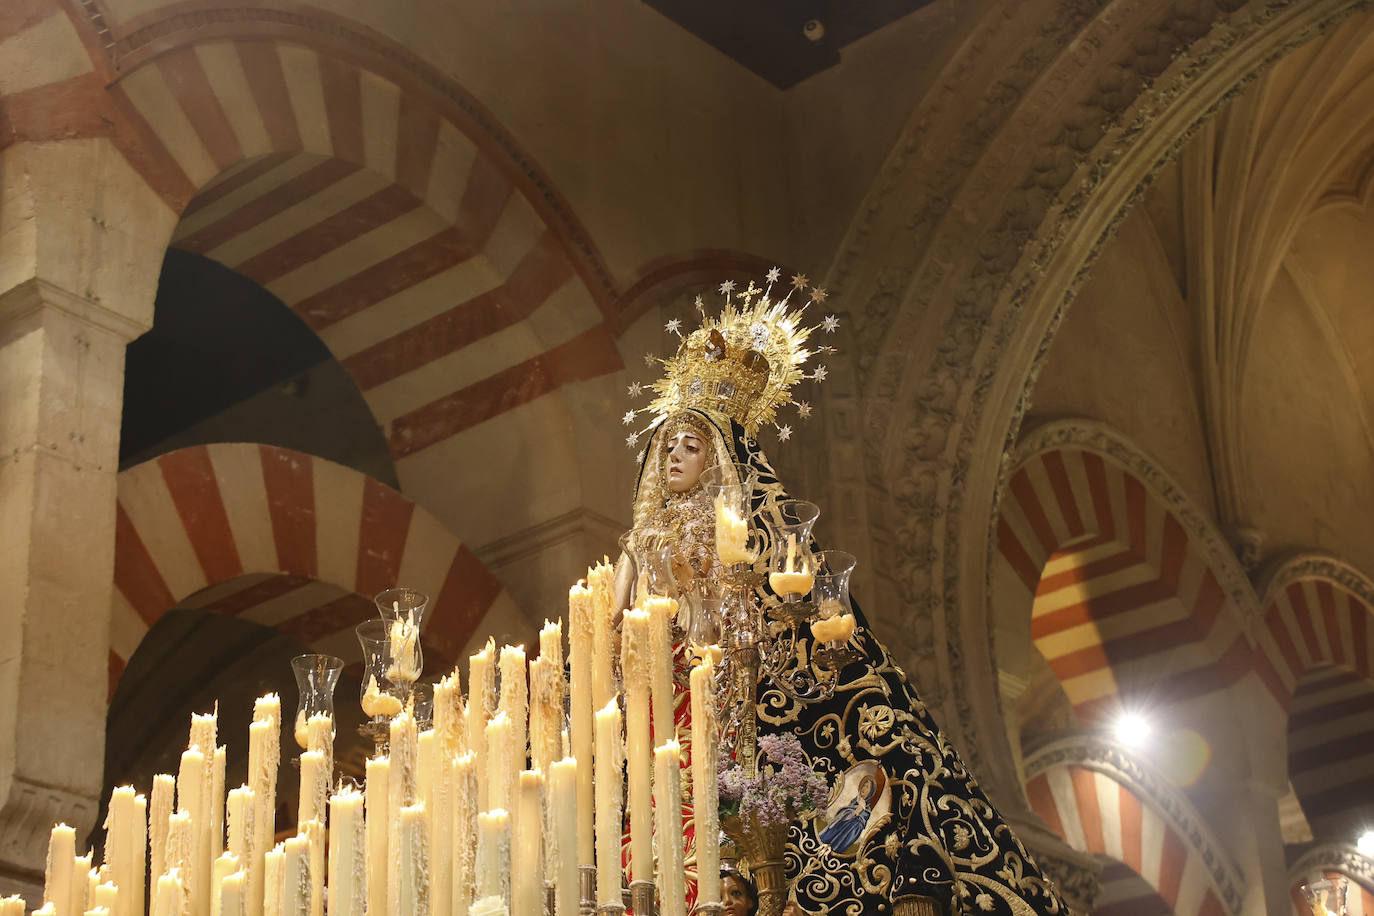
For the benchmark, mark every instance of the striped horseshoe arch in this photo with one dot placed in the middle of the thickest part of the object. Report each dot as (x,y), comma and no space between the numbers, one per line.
(1315,655)
(1080,788)
(408,232)
(290,541)
(1129,587)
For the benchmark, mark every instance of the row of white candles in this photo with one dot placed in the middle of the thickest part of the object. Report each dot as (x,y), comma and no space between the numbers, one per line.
(450,823)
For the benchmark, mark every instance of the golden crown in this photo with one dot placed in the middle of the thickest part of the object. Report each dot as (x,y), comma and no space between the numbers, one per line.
(743,363)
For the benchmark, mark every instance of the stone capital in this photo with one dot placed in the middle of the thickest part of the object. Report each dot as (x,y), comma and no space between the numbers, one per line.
(23,307)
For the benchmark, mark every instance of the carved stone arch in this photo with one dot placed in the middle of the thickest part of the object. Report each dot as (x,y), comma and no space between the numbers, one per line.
(1085,505)
(1315,655)
(205,515)
(964,263)
(1103,800)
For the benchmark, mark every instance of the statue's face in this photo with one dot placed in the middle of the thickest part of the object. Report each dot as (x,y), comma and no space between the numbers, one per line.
(686,460)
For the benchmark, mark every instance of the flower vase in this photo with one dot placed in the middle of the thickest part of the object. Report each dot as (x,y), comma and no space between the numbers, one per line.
(761,846)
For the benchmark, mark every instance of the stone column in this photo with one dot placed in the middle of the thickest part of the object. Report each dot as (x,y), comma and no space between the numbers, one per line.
(81,241)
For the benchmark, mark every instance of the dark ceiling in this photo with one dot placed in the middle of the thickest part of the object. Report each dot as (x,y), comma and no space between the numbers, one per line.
(772,37)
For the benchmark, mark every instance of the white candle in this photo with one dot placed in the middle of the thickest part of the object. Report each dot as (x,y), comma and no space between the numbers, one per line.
(515,703)
(347,876)
(634,656)
(81,883)
(672,884)
(314,787)
(241,826)
(203,732)
(377,702)
(609,826)
(223,867)
(428,749)
(705,796)
(451,736)
(167,897)
(489,906)
(295,872)
(527,867)
(563,804)
(547,692)
(272,878)
(580,690)
(160,808)
(401,791)
(106,897)
(57,875)
(662,613)
(499,761)
(732,534)
(493,854)
(833,629)
(319,732)
(426,791)
(119,851)
(599,583)
(138,843)
(180,848)
(378,795)
(203,740)
(193,789)
(413,894)
(14,906)
(217,764)
(313,834)
(264,756)
(231,891)
(464,830)
(481,704)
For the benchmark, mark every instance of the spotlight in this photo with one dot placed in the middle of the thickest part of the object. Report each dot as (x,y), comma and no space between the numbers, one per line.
(1131,729)
(1365,844)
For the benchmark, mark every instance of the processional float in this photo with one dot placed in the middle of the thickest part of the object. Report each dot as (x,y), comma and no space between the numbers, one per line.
(553,787)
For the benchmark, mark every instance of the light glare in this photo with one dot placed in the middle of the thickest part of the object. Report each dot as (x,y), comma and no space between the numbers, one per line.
(1132,729)
(1365,844)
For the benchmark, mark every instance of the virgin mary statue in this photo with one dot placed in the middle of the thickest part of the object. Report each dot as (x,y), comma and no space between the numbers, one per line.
(907,830)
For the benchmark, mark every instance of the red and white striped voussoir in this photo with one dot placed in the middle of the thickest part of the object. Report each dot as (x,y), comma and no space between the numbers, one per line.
(1095,813)
(1311,622)
(209,514)
(404,242)
(1120,591)
(1331,750)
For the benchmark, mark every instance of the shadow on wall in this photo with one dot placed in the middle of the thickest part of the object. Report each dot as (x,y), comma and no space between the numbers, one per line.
(226,361)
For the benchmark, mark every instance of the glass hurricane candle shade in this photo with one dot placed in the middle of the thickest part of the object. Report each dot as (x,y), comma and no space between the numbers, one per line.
(834,619)
(703,629)
(382,697)
(650,554)
(791,565)
(403,609)
(424,706)
(316,678)
(730,487)
(1326,897)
